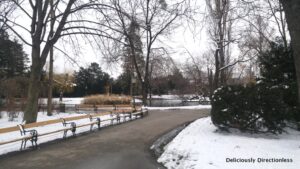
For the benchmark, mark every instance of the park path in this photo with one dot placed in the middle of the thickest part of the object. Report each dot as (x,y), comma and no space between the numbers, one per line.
(124,146)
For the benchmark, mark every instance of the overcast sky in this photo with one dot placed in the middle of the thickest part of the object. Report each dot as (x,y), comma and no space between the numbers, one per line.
(194,38)
(183,37)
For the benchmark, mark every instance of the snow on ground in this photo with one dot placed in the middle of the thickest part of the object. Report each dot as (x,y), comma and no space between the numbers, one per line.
(165,96)
(180,107)
(188,97)
(72,100)
(43,129)
(199,146)
(66,100)
(137,100)
(42,116)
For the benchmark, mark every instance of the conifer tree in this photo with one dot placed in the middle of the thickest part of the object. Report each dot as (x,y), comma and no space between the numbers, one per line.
(13,60)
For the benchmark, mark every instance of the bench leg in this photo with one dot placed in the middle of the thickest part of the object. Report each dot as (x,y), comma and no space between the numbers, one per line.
(99,123)
(22,145)
(32,143)
(25,141)
(35,141)
(65,133)
(73,133)
(91,128)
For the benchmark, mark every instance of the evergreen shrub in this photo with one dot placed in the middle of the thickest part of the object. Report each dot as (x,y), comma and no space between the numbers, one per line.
(255,108)
(267,106)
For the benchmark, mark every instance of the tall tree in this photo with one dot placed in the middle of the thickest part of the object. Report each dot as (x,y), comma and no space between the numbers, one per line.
(13,60)
(128,62)
(219,12)
(155,18)
(50,85)
(292,10)
(69,21)
(91,80)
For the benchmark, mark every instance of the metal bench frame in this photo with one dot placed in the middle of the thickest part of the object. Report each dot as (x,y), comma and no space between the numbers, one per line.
(33,136)
(98,120)
(71,125)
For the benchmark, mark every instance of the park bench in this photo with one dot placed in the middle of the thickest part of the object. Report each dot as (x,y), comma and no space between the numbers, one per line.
(32,136)
(112,118)
(95,120)
(69,126)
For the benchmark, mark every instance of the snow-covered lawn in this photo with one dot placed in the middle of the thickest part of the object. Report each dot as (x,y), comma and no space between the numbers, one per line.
(166,96)
(180,107)
(42,116)
(199,146)
(189,97)
(66,100)
(42,129)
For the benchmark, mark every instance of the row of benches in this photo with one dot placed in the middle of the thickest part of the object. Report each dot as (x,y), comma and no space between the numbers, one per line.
(32,134)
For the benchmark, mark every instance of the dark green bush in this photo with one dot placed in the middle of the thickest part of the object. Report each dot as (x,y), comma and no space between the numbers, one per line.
(277,68)
(266,106)
(255,108)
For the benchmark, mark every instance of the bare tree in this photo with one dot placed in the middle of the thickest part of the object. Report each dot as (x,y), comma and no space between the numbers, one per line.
(276,12)
(155,18)
(194,69)
(220,21)
(69,20)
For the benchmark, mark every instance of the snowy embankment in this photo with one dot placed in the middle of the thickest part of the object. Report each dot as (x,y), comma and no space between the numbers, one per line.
(180,107)
(42,116)
(200,146)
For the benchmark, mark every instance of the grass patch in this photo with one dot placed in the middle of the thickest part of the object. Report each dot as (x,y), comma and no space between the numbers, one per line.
(106,100)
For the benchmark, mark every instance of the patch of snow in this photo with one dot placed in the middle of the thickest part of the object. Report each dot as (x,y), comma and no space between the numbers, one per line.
(259,82)
(42,116)
(165,97)
(137,100)
(199,146)
(180,107)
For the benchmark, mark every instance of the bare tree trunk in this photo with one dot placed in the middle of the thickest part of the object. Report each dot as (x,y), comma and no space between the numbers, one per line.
(31,109)
(222,63)
(292,10)
(210,82)
(50,85)
(49,101)
(217,70)
(144,94)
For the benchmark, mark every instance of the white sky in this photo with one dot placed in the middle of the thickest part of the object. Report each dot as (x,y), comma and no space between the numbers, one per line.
(177,41)
(196,42)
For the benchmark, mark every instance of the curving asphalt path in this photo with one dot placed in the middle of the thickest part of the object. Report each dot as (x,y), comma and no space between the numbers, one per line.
(124,146)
